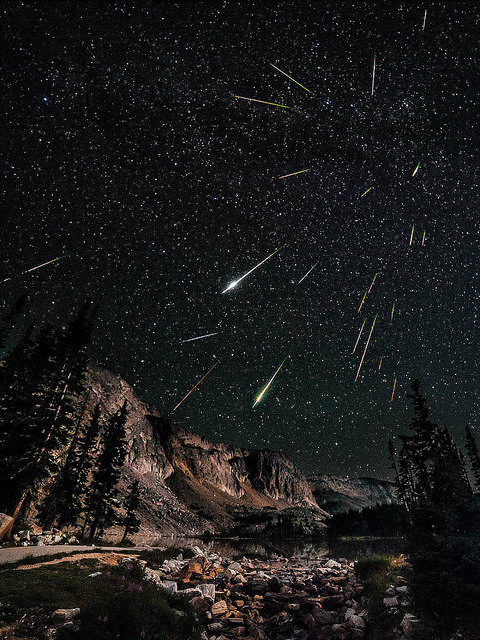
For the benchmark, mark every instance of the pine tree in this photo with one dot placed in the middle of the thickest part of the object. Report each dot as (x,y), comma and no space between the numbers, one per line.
(44,378)
(131,522)
(474,456)
(102,494)
(8,319)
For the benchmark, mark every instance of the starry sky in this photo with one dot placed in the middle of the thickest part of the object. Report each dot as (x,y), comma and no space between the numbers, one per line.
(126,153)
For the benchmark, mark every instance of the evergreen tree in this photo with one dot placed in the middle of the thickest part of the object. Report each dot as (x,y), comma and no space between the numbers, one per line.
(63,502)
(474,456)
(103,492)
(131,521)
(43,379)
(8,319)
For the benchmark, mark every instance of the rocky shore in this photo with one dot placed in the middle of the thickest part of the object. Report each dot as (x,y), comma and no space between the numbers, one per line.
(259,600)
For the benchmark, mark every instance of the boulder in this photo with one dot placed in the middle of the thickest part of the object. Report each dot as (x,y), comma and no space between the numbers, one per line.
(356,622)
(322,616)
(200,604)
(208,591)
(391,602)
(66,614)
(170,586)
(219,608)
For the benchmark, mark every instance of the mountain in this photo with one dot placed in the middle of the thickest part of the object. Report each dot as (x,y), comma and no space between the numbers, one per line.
(338,493)
(190,486)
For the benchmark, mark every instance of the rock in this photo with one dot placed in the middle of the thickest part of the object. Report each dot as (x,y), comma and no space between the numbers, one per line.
(72,540)
(200,604)
(293,606)
(235,566)
(95,574)
(322,616)
(349,613)
(403,589)
(390,592)
(57,539)
(190,593)
(406,624)
(40,543)
(340,632)
(229,573)
(215,626)
(333,564)
(274,584)
(170,586)
(356,622)
(66,614)
(390,602)
(219,608)
(238,632)
(208,591)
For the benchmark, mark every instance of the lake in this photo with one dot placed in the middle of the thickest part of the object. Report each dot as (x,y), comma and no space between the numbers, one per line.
(290,548)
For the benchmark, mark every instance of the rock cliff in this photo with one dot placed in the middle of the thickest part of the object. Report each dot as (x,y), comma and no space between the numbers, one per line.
(190,485)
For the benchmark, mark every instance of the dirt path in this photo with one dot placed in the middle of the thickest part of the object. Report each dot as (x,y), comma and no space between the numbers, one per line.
(14,554)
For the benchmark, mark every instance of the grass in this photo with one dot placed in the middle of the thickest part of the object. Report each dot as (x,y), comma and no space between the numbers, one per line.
(377,574)
(119,604)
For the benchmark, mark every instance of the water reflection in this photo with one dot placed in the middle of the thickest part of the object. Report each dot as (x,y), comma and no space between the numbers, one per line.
(290,548)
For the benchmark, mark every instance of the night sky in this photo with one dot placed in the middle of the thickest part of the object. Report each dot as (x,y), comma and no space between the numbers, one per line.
(125,152)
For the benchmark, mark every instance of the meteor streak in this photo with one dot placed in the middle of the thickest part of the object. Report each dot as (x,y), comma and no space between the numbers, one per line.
(359,335)
(416,169)
(363,300)
(366,347)
(423,239)
(364,194)
(424,20)
(235,282)
(275,104)
(380,365)
(193,388)
(373,282)
(411,235)
(393,392)
(295,173)
(373,75)
(393,311)
(260,395)
(207,335)
(310,270)
(37,267)
(290,78)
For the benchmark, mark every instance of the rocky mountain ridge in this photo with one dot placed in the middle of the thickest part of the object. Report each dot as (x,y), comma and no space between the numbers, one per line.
(336,493)
(193,486)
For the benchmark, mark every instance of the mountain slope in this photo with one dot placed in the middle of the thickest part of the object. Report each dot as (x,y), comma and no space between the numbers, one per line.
(336,493)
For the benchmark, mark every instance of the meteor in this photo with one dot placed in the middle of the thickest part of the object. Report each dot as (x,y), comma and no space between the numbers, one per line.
(423,239)
(373,282)
(380,365)
(235,282)
(364,194)
(193,388)
(373,75)
(290,78)
(295,173)
(416,169)
(363,300)
(393,311)
(359,335)
(275,104)
(37,267)
(366,347)
(393,392)
(260,395)
(411,235)
(207,335)
(309,271)
(424,20)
